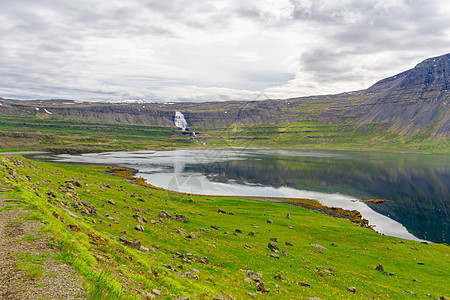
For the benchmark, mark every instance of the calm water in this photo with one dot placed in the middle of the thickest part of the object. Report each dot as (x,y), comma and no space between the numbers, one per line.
(417,186)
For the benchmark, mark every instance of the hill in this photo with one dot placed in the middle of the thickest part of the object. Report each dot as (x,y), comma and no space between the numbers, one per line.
(408,111)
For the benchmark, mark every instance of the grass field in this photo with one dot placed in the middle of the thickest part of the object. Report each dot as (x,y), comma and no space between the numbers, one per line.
(217,263)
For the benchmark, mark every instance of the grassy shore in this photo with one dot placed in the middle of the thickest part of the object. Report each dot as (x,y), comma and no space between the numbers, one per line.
(319,256)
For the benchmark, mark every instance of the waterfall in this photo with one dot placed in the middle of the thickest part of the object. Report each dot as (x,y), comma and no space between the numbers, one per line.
(180,121)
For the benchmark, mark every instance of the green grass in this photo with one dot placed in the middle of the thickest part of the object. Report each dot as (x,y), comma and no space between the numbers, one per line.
(113,271)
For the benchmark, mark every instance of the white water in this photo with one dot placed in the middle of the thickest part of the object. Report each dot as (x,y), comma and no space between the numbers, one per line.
(180,121)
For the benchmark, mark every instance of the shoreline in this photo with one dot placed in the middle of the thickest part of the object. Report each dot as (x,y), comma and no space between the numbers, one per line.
(352,215)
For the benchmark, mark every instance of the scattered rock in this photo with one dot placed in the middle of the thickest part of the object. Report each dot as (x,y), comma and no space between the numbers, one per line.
(253,275)
(251,295)
(274,247)
(288,244)
(204,260)
(318,246)
(261,288)
(333,245)
(351,289)
(139,228)
(111,202)
(420,263)
(181,218)
(291,227)
(156,292)
(269,221)
(192,236)
(221,211)
(251,233)
(288,216)
(274,240)
(215,227)
(415,280)
(238,231)
(304,284)
(379,268)
(179,231)
(275,255)
(164,215)
(247,246)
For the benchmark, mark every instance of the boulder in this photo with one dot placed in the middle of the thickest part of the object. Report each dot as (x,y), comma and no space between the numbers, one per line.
(269,221)
(192,236)
(351,289)
(274,247)
(139,228)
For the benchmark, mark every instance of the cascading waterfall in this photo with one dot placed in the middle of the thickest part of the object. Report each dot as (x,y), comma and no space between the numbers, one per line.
(180,121)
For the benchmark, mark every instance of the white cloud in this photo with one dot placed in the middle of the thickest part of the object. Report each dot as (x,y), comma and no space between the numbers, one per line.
(211,50)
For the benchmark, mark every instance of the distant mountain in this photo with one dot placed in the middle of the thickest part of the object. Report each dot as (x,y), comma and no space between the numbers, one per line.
(413,103)
(413,100)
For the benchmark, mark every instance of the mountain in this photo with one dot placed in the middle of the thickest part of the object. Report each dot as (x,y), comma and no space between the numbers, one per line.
(410,106)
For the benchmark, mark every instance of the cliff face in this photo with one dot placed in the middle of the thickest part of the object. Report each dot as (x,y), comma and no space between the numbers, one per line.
(413,102)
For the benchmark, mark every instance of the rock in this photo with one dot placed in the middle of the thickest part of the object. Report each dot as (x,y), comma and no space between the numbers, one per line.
(288,244)
(318,246)
(251,233)
(274,247)
(415,280)
(284,252)
(215,227)
(314,298)
(179,231)
(420,263)
(269,221)
(333,245)
(138,219)
(204,260)
(253,275)
(251,295)
(144,249)
(275,256)
(247,246)
(288,216)
(221,211)
(192,236)
(111,202)
(156,292)
(391,274)
(351,289)
(70,186)
(181,218)
(238,231)
(139,228)
(304,284)
(274,240)
(379,268)
(291,227)
(77,184)
(261,288)
(140,199)
(51,193)
(153,222)
(164,215)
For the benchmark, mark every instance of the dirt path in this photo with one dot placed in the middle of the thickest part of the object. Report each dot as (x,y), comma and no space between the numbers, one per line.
(28,266)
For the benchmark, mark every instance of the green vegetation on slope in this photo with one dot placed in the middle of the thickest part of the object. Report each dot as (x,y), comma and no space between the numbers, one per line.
(86,212)
(32,133)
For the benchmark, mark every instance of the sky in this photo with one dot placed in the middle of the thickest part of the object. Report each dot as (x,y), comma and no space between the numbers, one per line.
(178,50)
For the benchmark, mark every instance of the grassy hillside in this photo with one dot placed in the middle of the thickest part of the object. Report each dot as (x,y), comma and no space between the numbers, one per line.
(90,215)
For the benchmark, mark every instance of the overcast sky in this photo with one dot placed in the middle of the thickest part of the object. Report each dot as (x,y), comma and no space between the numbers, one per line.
(170,50)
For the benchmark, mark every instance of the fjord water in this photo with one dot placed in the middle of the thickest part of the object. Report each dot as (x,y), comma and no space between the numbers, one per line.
(416,186)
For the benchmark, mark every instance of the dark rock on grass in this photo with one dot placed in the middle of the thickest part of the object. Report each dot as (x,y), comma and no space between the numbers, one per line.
(275,256)
(247,246)
(253,275)
(133,244)
(221,211)
(181,232)
(204,260)
(288,244)
(274,240)
(51,193)
(284,252)
(215,227)
(252,233)
(274,247)
(111,202)
(139,228)
(238,231)
(304,284)
(351,289)
(420,263)
(379,268)
(288,216)
(192,236)
(269,221)
(164,215)
(138,219)
(262,288)
(181,218)
(333,245)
